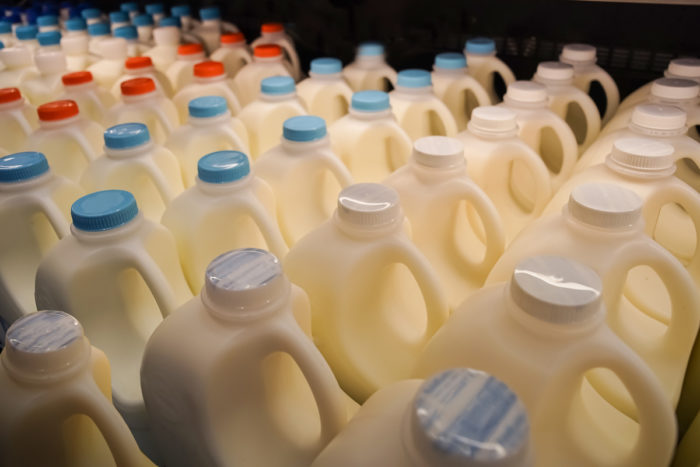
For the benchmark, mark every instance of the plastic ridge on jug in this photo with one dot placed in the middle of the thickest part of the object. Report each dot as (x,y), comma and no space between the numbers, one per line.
(267,61)
(325,93)
(181,71)
(233,53)
(370,71)
(18,119)
(485,66)
(209,80)
(135,67)
(274,33)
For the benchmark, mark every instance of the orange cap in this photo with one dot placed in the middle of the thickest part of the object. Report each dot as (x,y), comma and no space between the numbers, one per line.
(208,69)
(271,27)
(232,38)
(267,50)
(132,63)
(57,110)
(137,86)
(189,49)
(9,95)
(77,77)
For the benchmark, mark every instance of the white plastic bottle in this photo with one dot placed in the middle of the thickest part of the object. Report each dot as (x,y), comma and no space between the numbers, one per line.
(49,41)
(540,333)
(370,71)
(107,70)
(418,110)
(25,36)
(375,299)
(369,140)
(304,174)
(118,19)
(267,61)
(130,34)
(144,27)
(18,119)
(143,67)
(19,67)
(47,23)
(209,80)
(274,33)
(76,50)
(233,53)
(167,39)
(181,71)
(325,93)
(681,68)
(92,100)
(97,32)
(485,66)
(209,28)
(48,85)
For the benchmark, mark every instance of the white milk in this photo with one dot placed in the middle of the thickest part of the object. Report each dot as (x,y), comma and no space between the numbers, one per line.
(108,69)
(167,38)
(181,71)
(135,67)
(130,34)
(484,65)
(75,49)
(92,100)
(18,119)
(48,85)
(370,71)
(144,28)
(19,67)
(97,33)
(273,33)
(233,53)
(267,61)
(325,93)
(209,80)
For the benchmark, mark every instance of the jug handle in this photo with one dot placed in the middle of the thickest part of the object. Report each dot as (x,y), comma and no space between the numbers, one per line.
(590,112)
(23,123)
(569,147)
(163,119)
(268,228)
(59,223)
(235,141)
(405,144)
(83,143)
(612,94)
(543,183)
(155,280)
(334,165)
(687,147)
(161,183)
(447,119)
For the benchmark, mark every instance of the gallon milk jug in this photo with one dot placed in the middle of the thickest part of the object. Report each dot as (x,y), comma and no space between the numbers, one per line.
(489,70)
(132,162)
(370,71)
(181,71)
(227,208)
(92,100)
(167,39)
(209,80)
(67,139)
(142,67)
(438,197)
(49,359)
(508,170)
(233,53)
(34,214)
(156,10)
(19,67)
(460,91)
(583,57)
(375,299)
(540,333)
(130,34)
(325,93)
(108,69)
(569,102)
(208,128)
(48,85)
(259,392)
(141,102)
(458,418)
(209,28)
(75,49)
(17,119)
(416,107)
(97,33)
(273,33)
(267,61)
(304,174)
(119,275)
(369,140)
(265,116)
(144,27)
(118,19)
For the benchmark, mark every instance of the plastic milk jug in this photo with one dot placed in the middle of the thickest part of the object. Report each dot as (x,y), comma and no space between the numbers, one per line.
(370,71)
(265,116)
(304,174)
(132,162)
(156,10)
(48,85)
(416,107)
(369,140)
(144,28)
(130,34)
(233,53)
(438,197)
(92,16)
(325,93)
(209,80)
(540,333)
(49,359)
(267,61)
(209,128)
(75,49)
(19,67)
(167,39)
(488,69)
(138,67)
(18,119)
(375,299)
(259,392)
(110,67)
(92,100)
(181,71)
(458,418)
(273,33)
(118,19)
(74,27)
(210,27)
(97,33)
(26,37)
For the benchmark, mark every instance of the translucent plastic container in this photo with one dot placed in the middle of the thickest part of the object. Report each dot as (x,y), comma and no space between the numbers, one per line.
(19,67)
(48,85)
(209,80)
(167,39)
(267,62)
(233,53)
(18,119)
(181,71)
(370,71)
(92,100)
(273,33)
(142,67)
(210,27)
(488,69)
(325,93)
(76,50)
(107,70)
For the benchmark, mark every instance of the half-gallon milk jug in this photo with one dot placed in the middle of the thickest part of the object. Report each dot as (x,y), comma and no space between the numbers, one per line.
(17,119)
(460,91)
(438,197)
(137,67)
(540,333)
(489,70)
(508,170)
(209,29)
(267,61)
(119,275)
(181,71)
(209,80)
(416,107)
(92,100)
(209,128)
(75,48)
(19,67)
(34,214)
(132,162)
(47,86)
(108,69)
(258,391)
(370,71)
(97,33)
(233,53)
(167,39)
(325,93)
(375,299)
(304,174)
(369,140)
(458,418)
(55,399)
(228,208)
(273,33)
(130,34)
(265,116)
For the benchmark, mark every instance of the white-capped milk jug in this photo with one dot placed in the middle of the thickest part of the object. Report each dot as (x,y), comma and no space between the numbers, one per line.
(209,80)
(167,39)
(325,93)
(19,66)
(370,71)
(267,61)
(233,53)
(18,119)
(92,100)
(135,67)
(274,33)
(113,52)
(493,74)
(181,71)
(48,85)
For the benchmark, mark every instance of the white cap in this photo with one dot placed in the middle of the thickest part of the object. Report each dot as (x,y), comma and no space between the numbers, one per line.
(605,205)
(369,205)
(555,71)
(556,290)
(169,35)
(439,152)
(74,45)
(578,53)
(659,117)
(685,68)
(113,48)
(493,119)
(527,92)
(675,88)
(643,154)
(50,62)
(16,57)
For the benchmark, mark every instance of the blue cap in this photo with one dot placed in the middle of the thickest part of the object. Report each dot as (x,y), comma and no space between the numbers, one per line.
(103,210)
(22,166)
(119,17)
(5,27)
(49,38)
(370,101)
(25,33)
(277,85)
(155,9)
(480,45)
(126,135)
(223,167)
(98,29)
(304,128)
(450,61)
(180,10)
(91,13)
(326,66)
(129,7)
(127,32)
(207,106)
(170,21)
(211,12)
(76,24)
(143,20)
(47,20)
(370,49)
(414,78)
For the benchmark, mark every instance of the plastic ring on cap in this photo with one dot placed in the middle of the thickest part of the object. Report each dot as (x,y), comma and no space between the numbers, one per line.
(207,107)
(189,49)
(414,78)
(233,38)
(137,86)
(268,28)
(22,166)
(57,110)
(126,135)
(103,210)
(277,85)
(370,49)
(133,63)
(326,66)
(223,167)
(304,128)
(9,95)
(480,46)
(370,101)
(450,61)
(209,69)
(267,51)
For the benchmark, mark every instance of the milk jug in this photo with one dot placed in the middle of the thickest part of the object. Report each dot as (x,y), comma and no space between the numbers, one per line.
(304,174)
(19,67)
(209,80)
(49,359)
(18,119)
(325,93)
(682,68)
(583,57)
(208,128)
(233,53)
(118,19)
(132,162)
(267,61)
(92,16)
(67,139)
(92,100)
(48,85)
(119,275)
(273,33)
(569,102)
(543,130)
(47,23)
(26,37)
(142,103)
(6,36)
(75,49)
(418,110)
(265,116)
(489,70)
(438,197)
(143,67)
(34,214)
(181,71)
(110,66)
(540,333)
(370,71)
(130,34)
(156,10)
(522,187)
(49,41)
(167,38)
(260,393)
(144,27)
(97,33)
(460,417)
(369,140)
(210,27)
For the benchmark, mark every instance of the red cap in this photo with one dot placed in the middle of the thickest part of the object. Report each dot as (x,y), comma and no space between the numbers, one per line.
(132,63)
(77,77)
(232,38)
(57,110)
(9,95)
(267,50)
(208,69)
(189,49)
(271,27)
(137,86)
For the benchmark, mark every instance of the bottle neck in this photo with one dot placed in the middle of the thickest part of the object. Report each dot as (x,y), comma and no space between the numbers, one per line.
(137,98)
(209,121)
(302,148)
(210,79)
(648,131)
(108,236)
(325,77)
(136,151)
(491,135)
(366,232)
(26,185)
(223,189)
(515,104)
(370,116)
(414,92)
(278,97)
(54,124)
(637,173)
(369,61)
